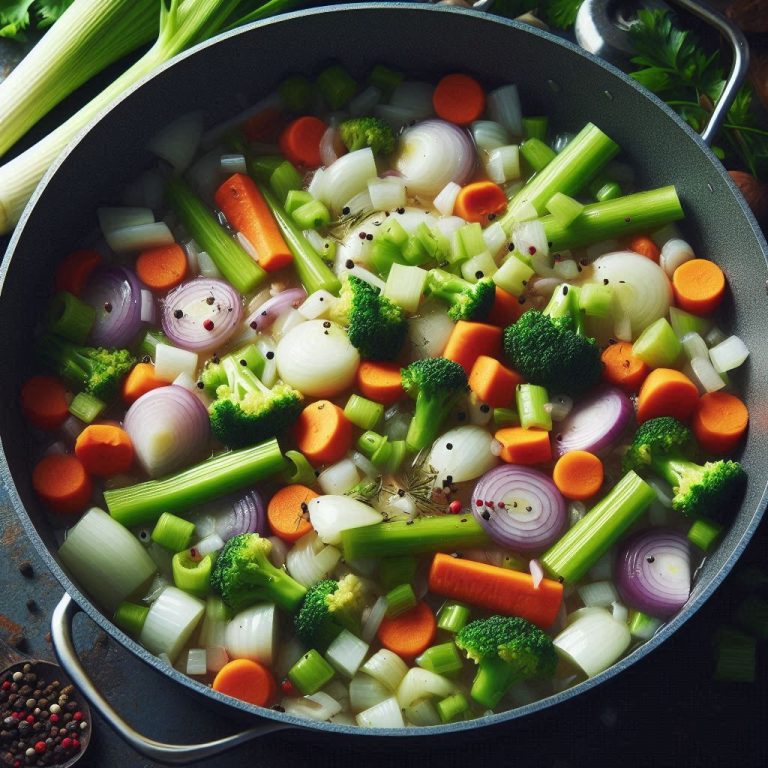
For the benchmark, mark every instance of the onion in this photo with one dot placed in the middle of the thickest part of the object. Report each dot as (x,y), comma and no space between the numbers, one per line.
(177,143)
(387,194)
(433,153)
(265,314)
(385,714)
(171,620)
(332,514)
(373,619)
(429,333)
(331,146)
(148,311)
(653,572)
(111,219)
(339,477)
(252,633)
(419,683)
(705,375)
(231,516)
(728,354)
(594,641)
(169,429)
(674,253)
(462,453)
(346,177)
(139,237)
(519,508)
(504,107)
(386,667)
(537,572)
(309,560)
(595,423)
(365,692)
(319,706)
(115,294)
(489,135)
(211,311)
(446,198)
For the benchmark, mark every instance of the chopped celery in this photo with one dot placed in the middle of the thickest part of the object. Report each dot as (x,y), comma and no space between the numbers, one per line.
(192,575)
(362,412)
(71,318)
(441,659)
(565,209)
(505,417)
(684,323)
(642,626)
(86,407)
(704,534)
(596,300)
(284,179)
(472,241)
(311,672)
(172,533)
(657,345)
(477,267)
(312,215)
(513,275)
(605,189)
(385,254)
(531,400)
(300,471)
(400,599)
(535,127)
(295,199)
(452,617)
(393,232)
(337,86)
(405,286)
(262,167)
(394,571)
(130,617)
(149,343)
(452,707)
(537,154)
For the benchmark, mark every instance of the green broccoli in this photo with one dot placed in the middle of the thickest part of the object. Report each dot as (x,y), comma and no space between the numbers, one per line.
(508,649)
(97,370)
(549,348)
(436,383)
(329,607)
(375,325)
(665,446)
(246,412)
(212,376)
(468,301)
(243,575)
(361,132)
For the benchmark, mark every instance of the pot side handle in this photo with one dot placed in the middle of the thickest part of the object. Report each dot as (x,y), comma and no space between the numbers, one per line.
(173,754)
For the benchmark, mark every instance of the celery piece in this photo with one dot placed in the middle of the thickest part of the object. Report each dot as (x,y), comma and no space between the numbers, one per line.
(192,575)
(531,401)
(71,318)
(642,626)
(657,345)
(513,275)
(296,93)
(295,199)
(362,412)
(603,189)
(452,707)
(394,232)
(535,127)
(537,154)
(472,241)
(704,533)
(172,533)
(337,86)
(228,256)
(130,617)
(415,253)
(262,167)
(385,79)
(505,417)
(405,286)
(452,617)
(683,322)
(441,659)
(565,209)
(284,179)
(587,541)
(312,215)
(311,672)
(456,252)
(479,266)
(736,657)
(300,471)
(400,599)
(230,471)
(86,407)
(752,614)
(596,300)
(384,255)
(394,571)
(149,343)
(251,357)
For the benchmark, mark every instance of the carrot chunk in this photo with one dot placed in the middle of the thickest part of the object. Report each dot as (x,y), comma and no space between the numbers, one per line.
(470,340)
(459,99)
(300,140)
(506,309)
(323,432)
(524,446)
(623,368)
(44,402)
(492,382)
(410,633)
(578,475)
(141,380)
(699,286)
(643,245)
(286,512)
(246,680)
(719,421)
(380,381)
(666,392)
(73,273)
(104,450)
(476,201)
(61,481)
(162,268)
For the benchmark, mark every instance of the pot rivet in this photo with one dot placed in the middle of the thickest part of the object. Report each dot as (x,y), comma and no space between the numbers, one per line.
(608,95)
(710,187)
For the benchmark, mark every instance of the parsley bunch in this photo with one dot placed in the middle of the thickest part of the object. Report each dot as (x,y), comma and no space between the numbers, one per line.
(17,15)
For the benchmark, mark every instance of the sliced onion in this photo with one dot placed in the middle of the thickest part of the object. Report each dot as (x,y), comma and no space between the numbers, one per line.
(653,572)
(595,423)
(309,560)
(252,634)
(524,509)
(148,307)
(232,515)
(433,153)
(446,198)
(331,146)
(169,428)
(462,453)
(504,107)
(419,683)
(489,135)
(331,514)
(728,354)
(265,314)
(374,618)
(705,375)
(674,253)
(385,714)
(177,143)
(139,237)
(115,294)
(346,177)
(211,311)
(537,572)
(594,641)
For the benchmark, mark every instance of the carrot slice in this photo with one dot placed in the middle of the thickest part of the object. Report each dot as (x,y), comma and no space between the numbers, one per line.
(479,200)
(501,590)
(162,268)
(459,99)
(524,446)
(323,432)
(699,286)
(286,512)
(379,381)
(470,340)
(643,245)
(73,273)
(623,368)
(44,402)
(666,392)
(300,140)
(247,211)
(506,309)
(246,680)
(492,382)
(104,450)
(578,475)
(141,380)
(719,421)
(61,481)
(410,633)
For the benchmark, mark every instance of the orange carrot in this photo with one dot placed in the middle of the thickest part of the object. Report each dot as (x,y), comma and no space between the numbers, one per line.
(506,309)
(666,392)
(162,268)
(699,286)
(141,380)
(643,245)
(300,140)
(478,200)
(623,368)
(44,402)
(72,274)
(246,210)
(104,450)
(501,590)
(459,99)
(524,446)
(578,475)
(286,512)
(379,381)
(246,680)
(61,481)
(410,633)
(492,382)
(470,340)
(719,421)
(323,432)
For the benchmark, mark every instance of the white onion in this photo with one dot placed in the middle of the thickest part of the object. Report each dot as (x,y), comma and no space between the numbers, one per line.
(674,253)
(386,667)
(387,194)
(332,514)
(447,225)
(317,304)
(385,714)
(419,683)
(468,456)
(537,572)
(489,135)
(503,164)
(252,634)
(331,146)
(529,238)
(171,620)
(171,362)
(317,184)
(278,552)
(206,266)
(366,276)
(714,336)
(694,346)
(600,594)
(495,238)
(111,219)
(317,706)
(288,320)
(339,477)
(148,307)
(728,354)
(568,269)
(209,545)
(619,611)
(310,561)
(365,101)
(429,333)
(365,692)
(414,96)
(422,713)
(346,653)
(139,237)
(374,618)
(216,657)
(504,107)
(346,177)
(177,143)
(560,407)
(705,375)
(197,661)
(446,198)
(364,464)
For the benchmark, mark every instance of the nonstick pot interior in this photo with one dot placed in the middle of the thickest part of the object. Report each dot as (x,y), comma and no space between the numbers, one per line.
(222,77)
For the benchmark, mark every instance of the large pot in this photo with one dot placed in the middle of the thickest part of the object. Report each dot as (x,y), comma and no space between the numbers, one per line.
(554,77)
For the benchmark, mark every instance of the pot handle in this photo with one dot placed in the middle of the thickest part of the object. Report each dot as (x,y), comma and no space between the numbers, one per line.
(174,754)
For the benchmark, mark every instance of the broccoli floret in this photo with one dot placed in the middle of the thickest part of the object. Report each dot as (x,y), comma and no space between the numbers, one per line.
(508,650)
(548,347)
(329,607)
(375,325)
(666,446)
(436,383)
(213,376)
(97,370)
(246,412)
(361,132)
(467,301)
(243,575)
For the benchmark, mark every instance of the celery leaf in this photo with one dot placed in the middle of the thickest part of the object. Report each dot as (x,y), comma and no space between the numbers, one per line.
(14,18)
(49,11)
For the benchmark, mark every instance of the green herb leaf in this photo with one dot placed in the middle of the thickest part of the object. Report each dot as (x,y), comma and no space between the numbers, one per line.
(560,13)
(49,11)
(14,18)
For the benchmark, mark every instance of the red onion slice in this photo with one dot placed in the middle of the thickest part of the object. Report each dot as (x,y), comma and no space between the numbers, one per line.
(594,424)
(115,294)
(653,572)
(201,314)
(169,428)
(520,508)
(266,314)
(232,515)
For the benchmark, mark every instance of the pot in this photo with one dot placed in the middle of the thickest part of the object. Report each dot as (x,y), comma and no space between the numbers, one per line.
(422,40)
